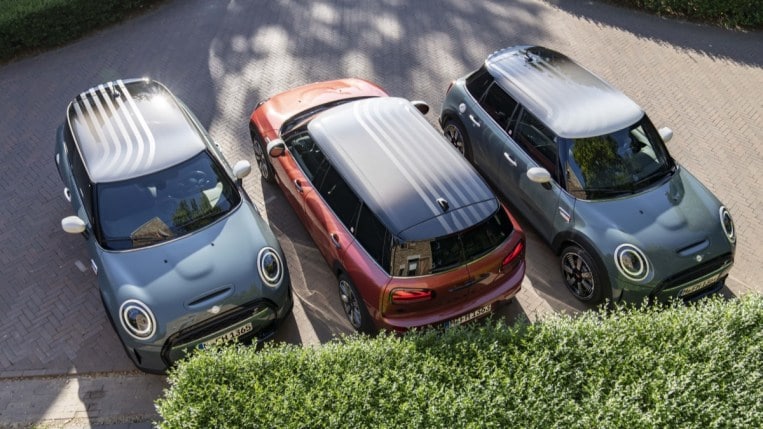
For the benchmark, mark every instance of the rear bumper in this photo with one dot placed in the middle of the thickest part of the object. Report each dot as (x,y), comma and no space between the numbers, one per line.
(502,292)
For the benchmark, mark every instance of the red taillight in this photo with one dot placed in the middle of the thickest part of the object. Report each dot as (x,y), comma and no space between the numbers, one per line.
(513,257)
(408,296)
(450,85)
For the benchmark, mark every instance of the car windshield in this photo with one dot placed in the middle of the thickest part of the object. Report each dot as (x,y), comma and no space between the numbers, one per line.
(623,162)
(164,205)
(424,257)
(301,117)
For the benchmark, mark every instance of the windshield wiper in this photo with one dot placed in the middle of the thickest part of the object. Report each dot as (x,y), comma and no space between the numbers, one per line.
(650,178)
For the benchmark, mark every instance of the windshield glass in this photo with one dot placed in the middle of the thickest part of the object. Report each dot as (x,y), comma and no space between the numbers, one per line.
(164,205)
(420,258)
(624,162)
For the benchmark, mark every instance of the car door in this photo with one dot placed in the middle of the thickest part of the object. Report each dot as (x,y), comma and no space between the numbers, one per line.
(294,173)
(531,144)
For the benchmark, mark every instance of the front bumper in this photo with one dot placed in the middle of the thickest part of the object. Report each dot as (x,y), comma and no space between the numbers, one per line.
(257,321)
(688,285)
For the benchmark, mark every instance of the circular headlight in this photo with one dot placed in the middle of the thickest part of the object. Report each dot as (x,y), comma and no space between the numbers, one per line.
(631,262)
(137,319)
(728,224)
(270,267)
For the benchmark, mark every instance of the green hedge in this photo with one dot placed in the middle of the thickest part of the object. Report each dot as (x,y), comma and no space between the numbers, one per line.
(30,25)
(697,366)
(728,13)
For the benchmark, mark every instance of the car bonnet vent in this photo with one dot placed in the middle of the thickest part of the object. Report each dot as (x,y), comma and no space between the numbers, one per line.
(443,204)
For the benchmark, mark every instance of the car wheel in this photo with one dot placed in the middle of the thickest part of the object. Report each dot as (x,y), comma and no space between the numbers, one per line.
(455,134)
(582,276)
(353,306)
(266,170)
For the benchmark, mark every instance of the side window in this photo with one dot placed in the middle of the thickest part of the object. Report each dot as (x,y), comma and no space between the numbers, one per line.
(477,82)
(374,237)
(340,198)
(499,105)
(308,155)
(538,141)
(84,187)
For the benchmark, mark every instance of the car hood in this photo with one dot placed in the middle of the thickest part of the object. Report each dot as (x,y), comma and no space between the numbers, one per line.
(676,214)
(216,265)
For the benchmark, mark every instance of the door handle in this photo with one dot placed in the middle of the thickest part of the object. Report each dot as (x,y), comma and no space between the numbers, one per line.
(510,159)
(298,185)
(335,239)
(474,121)
(68,194)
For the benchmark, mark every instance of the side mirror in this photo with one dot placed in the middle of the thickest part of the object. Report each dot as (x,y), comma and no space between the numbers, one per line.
(538,175)
(276,148)
(242,169)
(421,106)
(73,225)
(666,134)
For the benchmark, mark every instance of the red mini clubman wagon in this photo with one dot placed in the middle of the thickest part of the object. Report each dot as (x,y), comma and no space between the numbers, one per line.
(413,234)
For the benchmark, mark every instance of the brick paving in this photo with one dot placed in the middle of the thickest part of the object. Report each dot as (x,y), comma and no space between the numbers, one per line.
(222,57)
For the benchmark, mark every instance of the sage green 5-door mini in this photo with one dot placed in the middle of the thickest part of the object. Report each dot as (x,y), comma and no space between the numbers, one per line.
(182,256)
(584,164)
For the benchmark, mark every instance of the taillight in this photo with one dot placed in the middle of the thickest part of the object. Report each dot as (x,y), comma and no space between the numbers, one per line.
(450,85)
(408,296)
(513,258)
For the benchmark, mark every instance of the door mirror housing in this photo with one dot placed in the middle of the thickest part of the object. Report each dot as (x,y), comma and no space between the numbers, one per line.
(73,225)
(276,148)
(242,169)
(666,134)
(421,106)
(539,175)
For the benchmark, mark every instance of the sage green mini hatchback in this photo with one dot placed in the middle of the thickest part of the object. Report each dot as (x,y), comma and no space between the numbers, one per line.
(182,257)
(586,167)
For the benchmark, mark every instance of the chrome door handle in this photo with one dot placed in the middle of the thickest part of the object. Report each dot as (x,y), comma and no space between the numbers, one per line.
(335,240)
(474,121)
(510,159)
(68,194)
(298,185)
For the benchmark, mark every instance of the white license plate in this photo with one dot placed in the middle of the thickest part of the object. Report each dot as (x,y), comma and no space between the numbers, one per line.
(699,286)
(228,336)
(487,309)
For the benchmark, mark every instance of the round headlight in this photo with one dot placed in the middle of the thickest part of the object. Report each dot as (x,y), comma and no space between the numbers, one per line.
(270,267)
(137,319)
(728,224)
(631,262)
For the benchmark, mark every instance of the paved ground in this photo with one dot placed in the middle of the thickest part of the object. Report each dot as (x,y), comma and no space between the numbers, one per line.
(60,362)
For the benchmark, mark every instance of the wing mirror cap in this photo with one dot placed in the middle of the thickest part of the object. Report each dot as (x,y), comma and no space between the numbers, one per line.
(421,106)
(73,225)
(539,175)
(276,148)
(242,169)
(666,134)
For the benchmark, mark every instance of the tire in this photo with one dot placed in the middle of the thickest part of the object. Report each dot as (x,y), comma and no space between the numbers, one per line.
(454,133)
(583,277)
(354,307)
(263,164)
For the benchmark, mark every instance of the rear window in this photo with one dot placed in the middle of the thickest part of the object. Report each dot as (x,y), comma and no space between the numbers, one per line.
(478,82)
(440,254)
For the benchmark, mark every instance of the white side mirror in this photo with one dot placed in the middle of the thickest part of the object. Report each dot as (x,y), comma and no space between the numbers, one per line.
(666,134)
(73,225)
(421,106)
(276,148)
(242,169)
(538,175)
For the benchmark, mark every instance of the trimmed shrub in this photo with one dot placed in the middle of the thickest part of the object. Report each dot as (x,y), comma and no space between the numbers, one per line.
(29,25)
(695,366)
(728,13)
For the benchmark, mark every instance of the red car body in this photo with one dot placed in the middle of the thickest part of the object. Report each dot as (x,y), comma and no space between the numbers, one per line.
(395,302)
